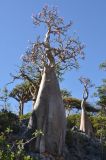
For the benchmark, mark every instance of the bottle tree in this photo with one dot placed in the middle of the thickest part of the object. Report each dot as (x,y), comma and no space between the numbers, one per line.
(85,124)
(56,52)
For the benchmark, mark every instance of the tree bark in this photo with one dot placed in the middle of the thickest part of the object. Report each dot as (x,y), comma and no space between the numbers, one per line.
(33,104)
(49,115)
(21,108)
(85,124)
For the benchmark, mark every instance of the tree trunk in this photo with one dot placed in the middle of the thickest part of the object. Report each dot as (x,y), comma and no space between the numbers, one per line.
(33,104)
(85,124)
(33,101)
(21,108)
(49,115)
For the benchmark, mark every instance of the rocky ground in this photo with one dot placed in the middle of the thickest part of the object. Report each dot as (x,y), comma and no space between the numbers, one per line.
(78,147)
(82,147)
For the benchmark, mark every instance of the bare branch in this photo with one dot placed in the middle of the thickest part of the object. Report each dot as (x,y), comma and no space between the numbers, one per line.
(87,84)
(56,48)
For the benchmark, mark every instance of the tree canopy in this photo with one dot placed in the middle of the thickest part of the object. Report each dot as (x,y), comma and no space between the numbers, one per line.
(57,48)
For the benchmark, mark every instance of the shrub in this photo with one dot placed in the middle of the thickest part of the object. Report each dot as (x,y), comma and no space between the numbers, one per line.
(98,123)
(73,120)
(25,116)
(9,119)
(14,150)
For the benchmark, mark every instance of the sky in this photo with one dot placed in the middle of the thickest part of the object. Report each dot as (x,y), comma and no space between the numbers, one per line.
(89,23)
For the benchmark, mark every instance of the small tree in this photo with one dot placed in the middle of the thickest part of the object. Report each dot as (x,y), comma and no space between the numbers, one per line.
(101,91)
(75,103)
(4,97)
(85,124)
(103,66)
(31,76)
(101,94)
(22,94)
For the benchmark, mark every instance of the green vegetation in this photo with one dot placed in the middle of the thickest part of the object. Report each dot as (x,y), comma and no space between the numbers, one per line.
(9,120)
(11,144)
(98,123)
(12,151)
(10,127)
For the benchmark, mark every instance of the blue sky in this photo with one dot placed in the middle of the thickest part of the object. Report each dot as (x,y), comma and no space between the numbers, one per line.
(89,23)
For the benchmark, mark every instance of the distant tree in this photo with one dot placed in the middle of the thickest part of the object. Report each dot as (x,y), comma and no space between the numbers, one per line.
(31,76)
(85,124)
(75,103)
(4,98)
(56,53)
(101,94)
(22,94)
(103,65)
(65,93)
(101,91)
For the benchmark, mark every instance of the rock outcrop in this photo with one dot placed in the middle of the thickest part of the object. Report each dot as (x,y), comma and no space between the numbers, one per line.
(82,147)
